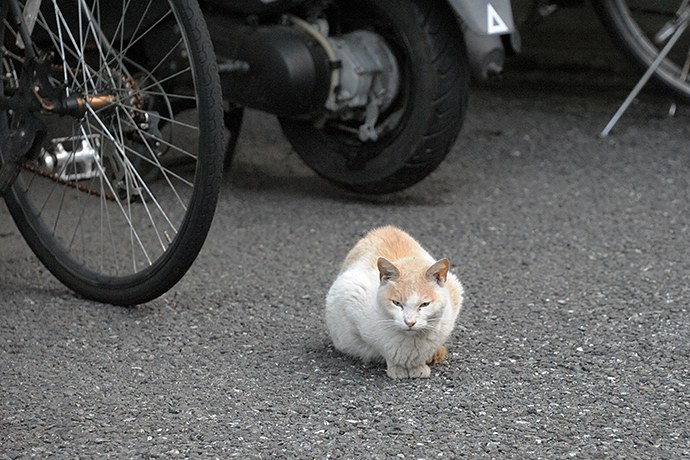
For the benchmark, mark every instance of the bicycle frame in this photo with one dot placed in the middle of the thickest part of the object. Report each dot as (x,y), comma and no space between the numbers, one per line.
(17,145)
(18,17)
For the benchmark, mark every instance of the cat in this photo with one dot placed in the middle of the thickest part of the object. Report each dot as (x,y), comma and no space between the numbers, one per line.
(392,301)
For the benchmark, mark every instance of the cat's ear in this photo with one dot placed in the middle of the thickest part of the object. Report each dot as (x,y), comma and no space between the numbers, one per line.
(438,272)
(387,271)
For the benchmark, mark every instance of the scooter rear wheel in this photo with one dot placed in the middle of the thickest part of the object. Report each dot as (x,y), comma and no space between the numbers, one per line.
(428,111)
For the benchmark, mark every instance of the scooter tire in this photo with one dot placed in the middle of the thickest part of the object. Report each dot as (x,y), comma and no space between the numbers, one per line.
(431,53)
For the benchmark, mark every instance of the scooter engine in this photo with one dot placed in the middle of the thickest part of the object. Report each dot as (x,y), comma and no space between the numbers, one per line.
(369,79)
(296,69)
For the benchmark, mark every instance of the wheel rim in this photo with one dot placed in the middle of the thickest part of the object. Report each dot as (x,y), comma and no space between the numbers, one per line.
(368,16)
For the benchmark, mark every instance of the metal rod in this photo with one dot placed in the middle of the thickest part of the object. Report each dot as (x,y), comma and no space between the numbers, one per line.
(682,24)
(23,30)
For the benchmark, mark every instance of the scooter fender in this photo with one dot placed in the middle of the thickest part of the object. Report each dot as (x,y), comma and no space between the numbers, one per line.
(493,17)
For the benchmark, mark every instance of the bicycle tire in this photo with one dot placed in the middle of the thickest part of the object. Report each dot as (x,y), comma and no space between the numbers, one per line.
(632,28)
(126,236)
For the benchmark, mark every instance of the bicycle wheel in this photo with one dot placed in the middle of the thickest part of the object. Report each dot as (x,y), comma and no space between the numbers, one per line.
(118,199)
(641,29)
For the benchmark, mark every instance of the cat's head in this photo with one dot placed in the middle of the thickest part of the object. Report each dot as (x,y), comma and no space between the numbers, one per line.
(412,293)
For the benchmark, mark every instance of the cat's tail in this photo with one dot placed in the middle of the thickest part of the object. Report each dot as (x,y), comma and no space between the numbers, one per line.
(438,355)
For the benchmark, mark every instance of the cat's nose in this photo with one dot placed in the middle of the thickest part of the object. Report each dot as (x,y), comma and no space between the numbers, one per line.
(410,322)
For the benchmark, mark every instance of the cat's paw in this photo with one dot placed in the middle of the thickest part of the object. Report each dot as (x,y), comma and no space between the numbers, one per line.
(422,371)
(396,372)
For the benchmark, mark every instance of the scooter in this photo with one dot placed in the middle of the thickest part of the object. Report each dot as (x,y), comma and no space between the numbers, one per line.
(371,94)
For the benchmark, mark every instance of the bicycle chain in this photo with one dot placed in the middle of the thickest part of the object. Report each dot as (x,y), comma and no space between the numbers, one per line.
(69,183)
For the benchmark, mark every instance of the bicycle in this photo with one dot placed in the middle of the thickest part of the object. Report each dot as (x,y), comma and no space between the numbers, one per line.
(644,29)
(111,140)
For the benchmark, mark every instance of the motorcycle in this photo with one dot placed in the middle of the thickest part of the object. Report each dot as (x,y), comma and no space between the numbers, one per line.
(371,94)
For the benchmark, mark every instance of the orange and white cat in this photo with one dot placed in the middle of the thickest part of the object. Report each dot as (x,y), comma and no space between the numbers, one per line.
(392,301)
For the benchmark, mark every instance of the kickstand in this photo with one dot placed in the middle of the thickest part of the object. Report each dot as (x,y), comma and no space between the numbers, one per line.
(233,123)
(681,26)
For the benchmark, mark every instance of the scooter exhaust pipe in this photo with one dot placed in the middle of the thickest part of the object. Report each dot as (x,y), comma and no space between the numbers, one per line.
(277,69)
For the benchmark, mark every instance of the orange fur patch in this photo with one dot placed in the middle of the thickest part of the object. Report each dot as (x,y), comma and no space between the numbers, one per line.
(412,280)
(388,242)
(438,355)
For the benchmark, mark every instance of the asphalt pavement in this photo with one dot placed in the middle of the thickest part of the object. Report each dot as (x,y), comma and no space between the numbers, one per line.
(574,341)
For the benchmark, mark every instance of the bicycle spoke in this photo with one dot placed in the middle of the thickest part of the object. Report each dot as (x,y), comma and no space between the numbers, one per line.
(164,170)
(117,193)
(128,166)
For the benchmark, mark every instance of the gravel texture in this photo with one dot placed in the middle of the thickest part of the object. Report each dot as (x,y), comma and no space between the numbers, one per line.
(574,340)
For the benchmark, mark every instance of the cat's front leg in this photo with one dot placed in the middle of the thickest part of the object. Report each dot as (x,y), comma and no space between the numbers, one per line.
(398,372)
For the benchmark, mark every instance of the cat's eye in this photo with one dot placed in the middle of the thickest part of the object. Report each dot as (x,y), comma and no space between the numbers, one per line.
(396,303)
(424,304)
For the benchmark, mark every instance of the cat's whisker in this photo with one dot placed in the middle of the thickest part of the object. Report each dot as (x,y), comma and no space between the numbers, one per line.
(434,322)
(386,322)
(428,328)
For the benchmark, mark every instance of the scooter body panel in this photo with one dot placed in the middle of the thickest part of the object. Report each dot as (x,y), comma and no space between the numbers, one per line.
(493,17)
